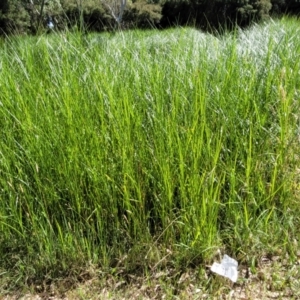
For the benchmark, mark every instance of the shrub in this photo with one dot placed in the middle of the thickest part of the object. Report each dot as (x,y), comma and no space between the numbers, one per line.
(215,13)
(90,12)
(14,17)
(143,14)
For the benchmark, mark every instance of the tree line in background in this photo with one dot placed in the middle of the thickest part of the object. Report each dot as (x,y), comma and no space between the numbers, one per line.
(31,16)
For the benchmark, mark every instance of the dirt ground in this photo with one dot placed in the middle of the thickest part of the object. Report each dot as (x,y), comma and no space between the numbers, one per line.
(274,278)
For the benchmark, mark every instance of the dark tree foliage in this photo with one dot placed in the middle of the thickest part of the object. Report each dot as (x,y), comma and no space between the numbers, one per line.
(29,16)
(215,12)
(13,16)
(278,6)
(143,14)
(4,6)
(293,6)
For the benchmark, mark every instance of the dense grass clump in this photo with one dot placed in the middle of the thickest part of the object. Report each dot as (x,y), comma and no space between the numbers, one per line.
(149,144)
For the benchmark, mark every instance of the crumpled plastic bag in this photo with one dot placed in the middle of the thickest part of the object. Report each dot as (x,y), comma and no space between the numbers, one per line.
(227,268)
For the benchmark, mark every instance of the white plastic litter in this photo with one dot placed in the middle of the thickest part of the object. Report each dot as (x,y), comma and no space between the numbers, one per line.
(227,268)
(50,25)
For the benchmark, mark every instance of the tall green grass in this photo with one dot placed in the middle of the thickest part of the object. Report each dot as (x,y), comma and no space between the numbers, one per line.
(150,144)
